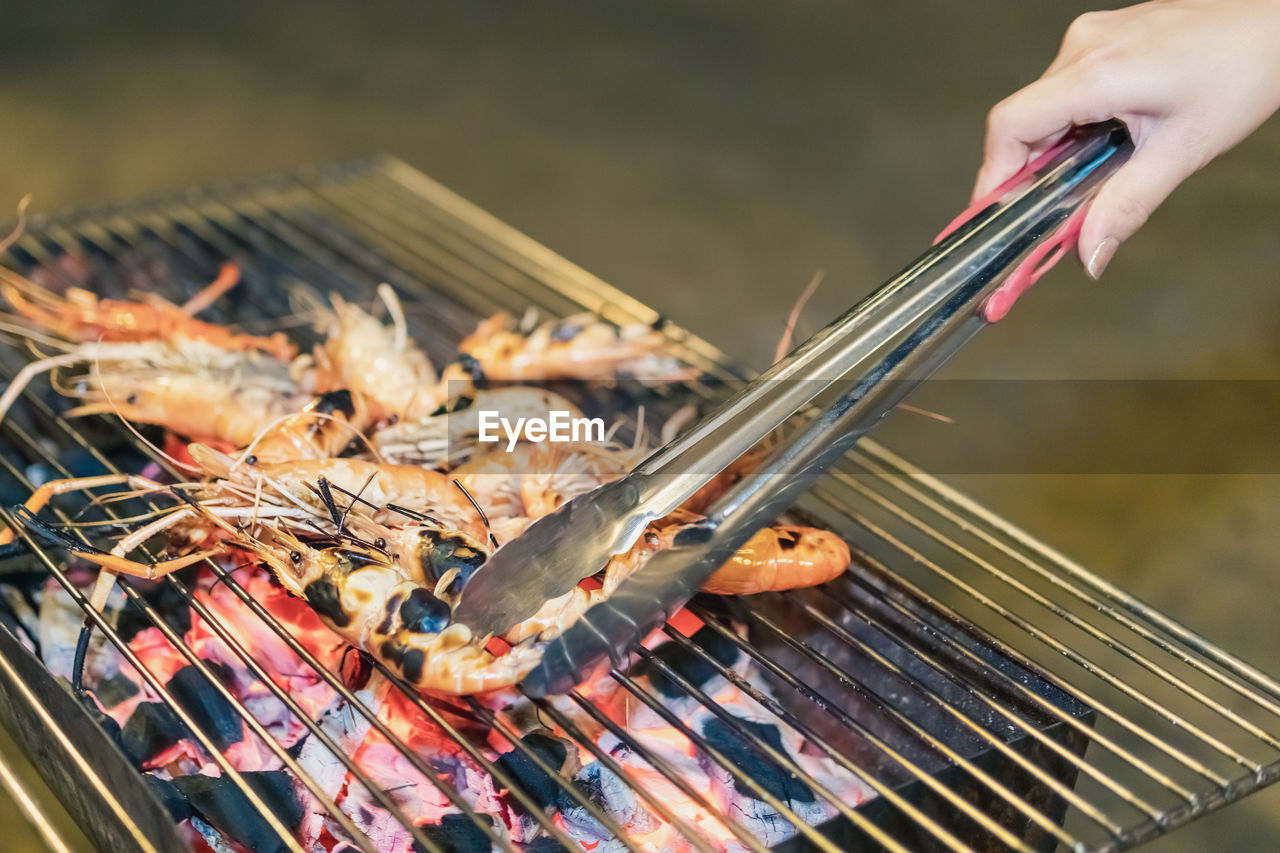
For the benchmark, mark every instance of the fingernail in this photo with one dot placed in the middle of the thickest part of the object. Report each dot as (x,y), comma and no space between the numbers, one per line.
(1102,256)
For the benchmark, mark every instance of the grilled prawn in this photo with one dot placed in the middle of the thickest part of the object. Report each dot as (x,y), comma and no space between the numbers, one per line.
(785,556)
(371,600)
(447,436)
(385,491)
(80,315)
(377,362)
(578,347)
(192,387)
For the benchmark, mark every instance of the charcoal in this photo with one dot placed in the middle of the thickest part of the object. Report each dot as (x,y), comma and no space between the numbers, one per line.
(173,800)
(208,709)
(164,598)
(150,730)
(539,785)
(114,690)
(456,833)
(217,800)
(104,721)
(545,844)
(611,795)
(690,666)
(743,753)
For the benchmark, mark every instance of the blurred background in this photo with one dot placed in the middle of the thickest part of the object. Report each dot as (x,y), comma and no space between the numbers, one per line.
(708,157)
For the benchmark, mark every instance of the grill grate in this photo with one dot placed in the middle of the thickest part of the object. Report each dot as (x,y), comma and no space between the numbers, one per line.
(992,693)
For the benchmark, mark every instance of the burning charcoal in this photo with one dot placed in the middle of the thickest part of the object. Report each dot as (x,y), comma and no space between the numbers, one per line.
(607,791)
(208,708)
(151,729)
(539,785)
(173,800)
(217,800)
(690,666)
(457,834)
(215,841)
(743,753)
(545,844)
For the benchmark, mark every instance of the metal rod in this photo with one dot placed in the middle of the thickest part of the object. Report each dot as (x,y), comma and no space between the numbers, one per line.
(358,838)
(1067,616)
(672,774)
(347,227)
(1083,662)
(877,460)
(579,736)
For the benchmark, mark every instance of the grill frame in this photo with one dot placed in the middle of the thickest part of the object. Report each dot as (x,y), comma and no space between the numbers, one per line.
(467,242)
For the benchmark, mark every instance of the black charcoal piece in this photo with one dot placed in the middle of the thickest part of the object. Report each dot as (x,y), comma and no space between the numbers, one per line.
(212,712)
(165,599)
(105,721)
(456,833)
(741,752)
(173,800)
(222,805)
(150,730)
(545,844)
(539,785)
(689,665)
(114,690)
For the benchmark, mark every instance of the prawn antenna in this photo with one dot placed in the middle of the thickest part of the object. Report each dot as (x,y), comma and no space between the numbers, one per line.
(355,496)
(19,227)
(784,343)
(326,495)
(413,513)
(29,372)
(51,533)
(389,298)
(493,540)
(342,522)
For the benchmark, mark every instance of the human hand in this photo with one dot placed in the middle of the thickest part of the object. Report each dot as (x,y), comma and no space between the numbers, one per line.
(1190,79)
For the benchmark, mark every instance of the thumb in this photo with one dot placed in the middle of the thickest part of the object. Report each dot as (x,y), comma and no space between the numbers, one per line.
(1130,196)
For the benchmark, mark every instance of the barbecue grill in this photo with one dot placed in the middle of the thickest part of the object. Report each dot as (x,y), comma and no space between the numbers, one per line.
(987,692)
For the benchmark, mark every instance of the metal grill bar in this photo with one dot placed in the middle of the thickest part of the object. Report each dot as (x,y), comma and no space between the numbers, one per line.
(245,715)
(924,777)
(1107,639)
(954,620)
(1093,602)
(1089,666)
(378,794)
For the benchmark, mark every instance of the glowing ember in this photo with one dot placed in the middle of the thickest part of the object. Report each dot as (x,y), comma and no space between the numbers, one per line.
(162,747)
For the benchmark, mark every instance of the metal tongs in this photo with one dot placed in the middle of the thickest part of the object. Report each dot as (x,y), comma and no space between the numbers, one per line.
(868,360)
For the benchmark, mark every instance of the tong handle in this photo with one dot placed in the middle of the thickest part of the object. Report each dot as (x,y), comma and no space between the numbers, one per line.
(1025,247)
(970,245)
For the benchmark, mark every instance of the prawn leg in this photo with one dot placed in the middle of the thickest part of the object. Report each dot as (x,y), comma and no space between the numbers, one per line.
(113,565)
(228,277)
(40,497)
(29,372)
(114,562)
